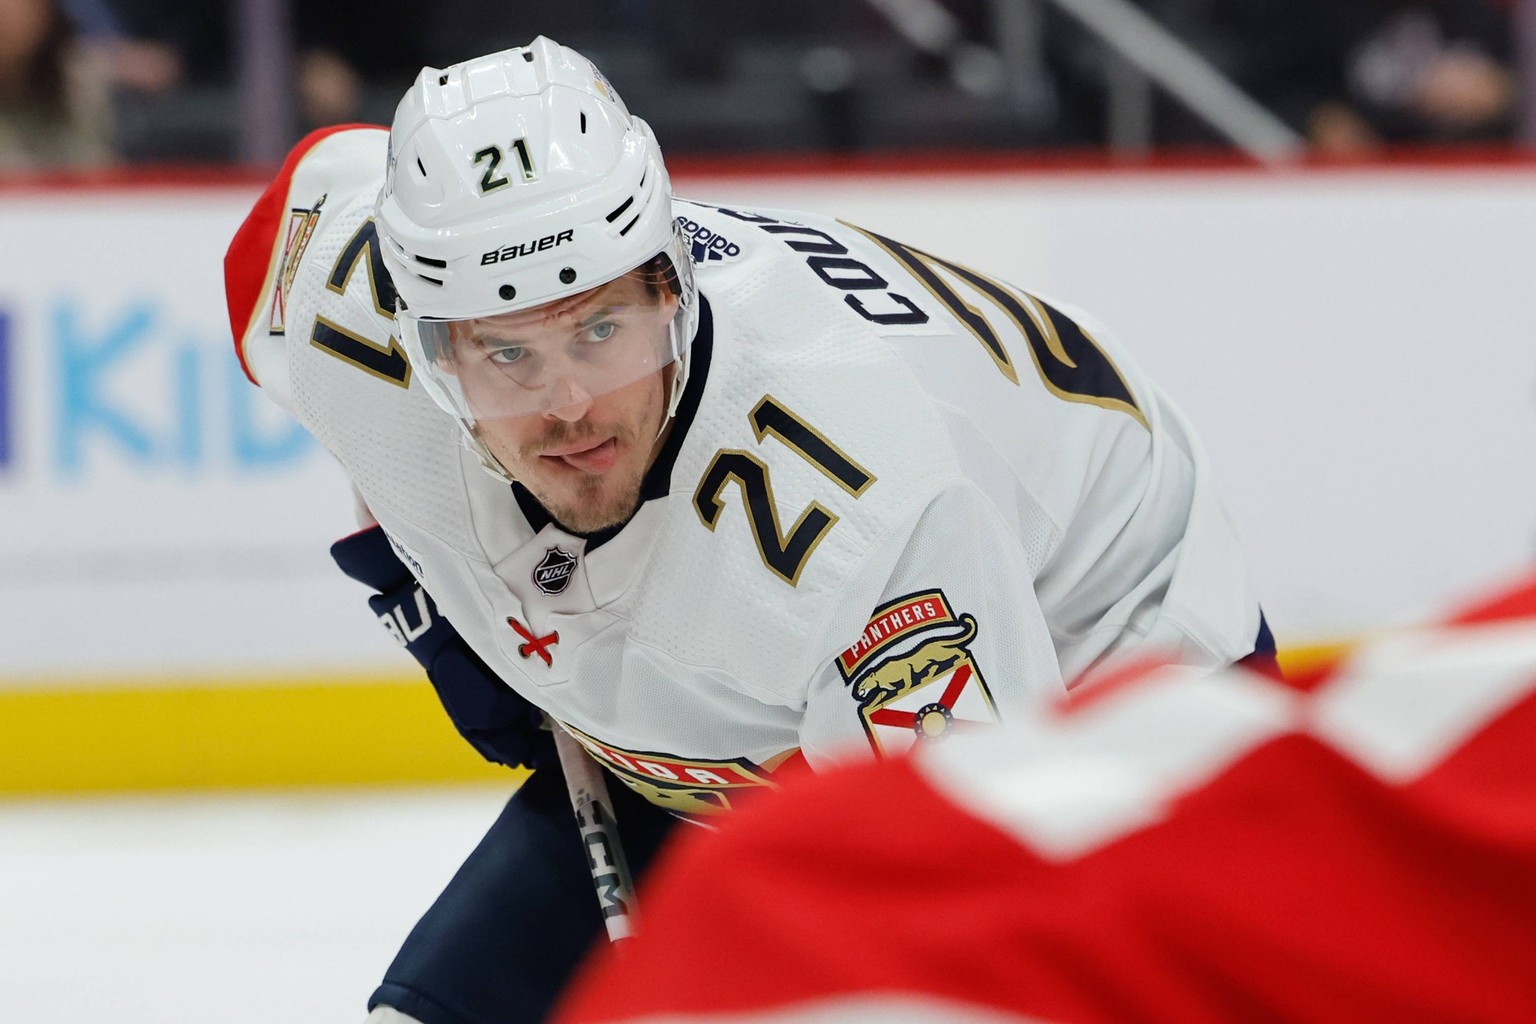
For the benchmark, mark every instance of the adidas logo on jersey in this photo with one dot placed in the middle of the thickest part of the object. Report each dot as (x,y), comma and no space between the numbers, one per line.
(706,244)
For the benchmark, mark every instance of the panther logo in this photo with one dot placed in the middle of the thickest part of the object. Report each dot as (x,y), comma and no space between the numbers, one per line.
(895,676)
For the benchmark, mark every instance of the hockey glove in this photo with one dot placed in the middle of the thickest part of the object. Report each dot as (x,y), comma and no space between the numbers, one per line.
(497,722)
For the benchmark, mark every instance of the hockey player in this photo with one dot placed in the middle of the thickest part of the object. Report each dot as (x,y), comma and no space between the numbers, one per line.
(1171,848)
(716,490)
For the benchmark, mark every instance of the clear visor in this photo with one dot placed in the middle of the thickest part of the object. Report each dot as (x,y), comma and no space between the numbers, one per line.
(560,354)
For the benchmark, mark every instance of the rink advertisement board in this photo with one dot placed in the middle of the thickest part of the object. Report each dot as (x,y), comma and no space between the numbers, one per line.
(1357,348)
(159,514)
(169,615)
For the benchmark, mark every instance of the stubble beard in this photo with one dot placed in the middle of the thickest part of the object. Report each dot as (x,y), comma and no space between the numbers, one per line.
(598,503)
(584,503)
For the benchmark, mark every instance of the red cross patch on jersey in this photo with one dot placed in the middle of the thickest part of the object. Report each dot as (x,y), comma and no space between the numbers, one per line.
(913,676)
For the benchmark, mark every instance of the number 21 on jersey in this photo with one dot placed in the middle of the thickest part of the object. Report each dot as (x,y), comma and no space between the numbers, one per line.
(785,554)
(386,362)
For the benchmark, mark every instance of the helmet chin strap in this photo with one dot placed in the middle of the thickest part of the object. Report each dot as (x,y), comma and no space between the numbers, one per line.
(677,372)
(488,462)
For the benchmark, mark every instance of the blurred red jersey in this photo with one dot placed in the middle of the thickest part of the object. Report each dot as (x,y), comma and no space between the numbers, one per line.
(1183,847)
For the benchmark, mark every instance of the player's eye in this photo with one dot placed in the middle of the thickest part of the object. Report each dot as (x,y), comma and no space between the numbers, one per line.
(507,354)
(600,331)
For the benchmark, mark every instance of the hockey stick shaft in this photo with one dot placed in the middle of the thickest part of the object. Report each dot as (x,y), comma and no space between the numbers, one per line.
(599,833)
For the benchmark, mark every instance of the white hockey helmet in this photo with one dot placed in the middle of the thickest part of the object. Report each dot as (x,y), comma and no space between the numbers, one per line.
(517,180)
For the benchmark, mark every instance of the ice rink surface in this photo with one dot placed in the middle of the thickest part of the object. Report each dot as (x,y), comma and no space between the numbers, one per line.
(227,909)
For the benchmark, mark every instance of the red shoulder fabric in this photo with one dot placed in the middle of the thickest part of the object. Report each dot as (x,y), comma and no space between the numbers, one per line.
(1297,883)
(250,253)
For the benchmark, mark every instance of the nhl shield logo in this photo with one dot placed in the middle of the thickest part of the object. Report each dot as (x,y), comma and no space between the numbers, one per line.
(553,574)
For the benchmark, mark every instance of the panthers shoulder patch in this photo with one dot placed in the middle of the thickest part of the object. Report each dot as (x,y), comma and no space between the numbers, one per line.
(912,674)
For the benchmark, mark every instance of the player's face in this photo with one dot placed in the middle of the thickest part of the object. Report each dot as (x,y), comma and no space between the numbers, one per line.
(584,455)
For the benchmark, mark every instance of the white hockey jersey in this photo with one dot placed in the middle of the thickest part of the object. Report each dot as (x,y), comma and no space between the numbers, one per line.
(901,497)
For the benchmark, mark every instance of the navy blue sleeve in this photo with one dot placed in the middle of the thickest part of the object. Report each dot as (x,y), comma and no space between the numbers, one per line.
(497,722)
(1264,658)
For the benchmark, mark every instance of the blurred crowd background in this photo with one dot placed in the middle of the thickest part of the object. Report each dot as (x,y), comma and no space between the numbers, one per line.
(100,82)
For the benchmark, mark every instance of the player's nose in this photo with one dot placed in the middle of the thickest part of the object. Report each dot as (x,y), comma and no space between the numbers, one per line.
(571,401)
